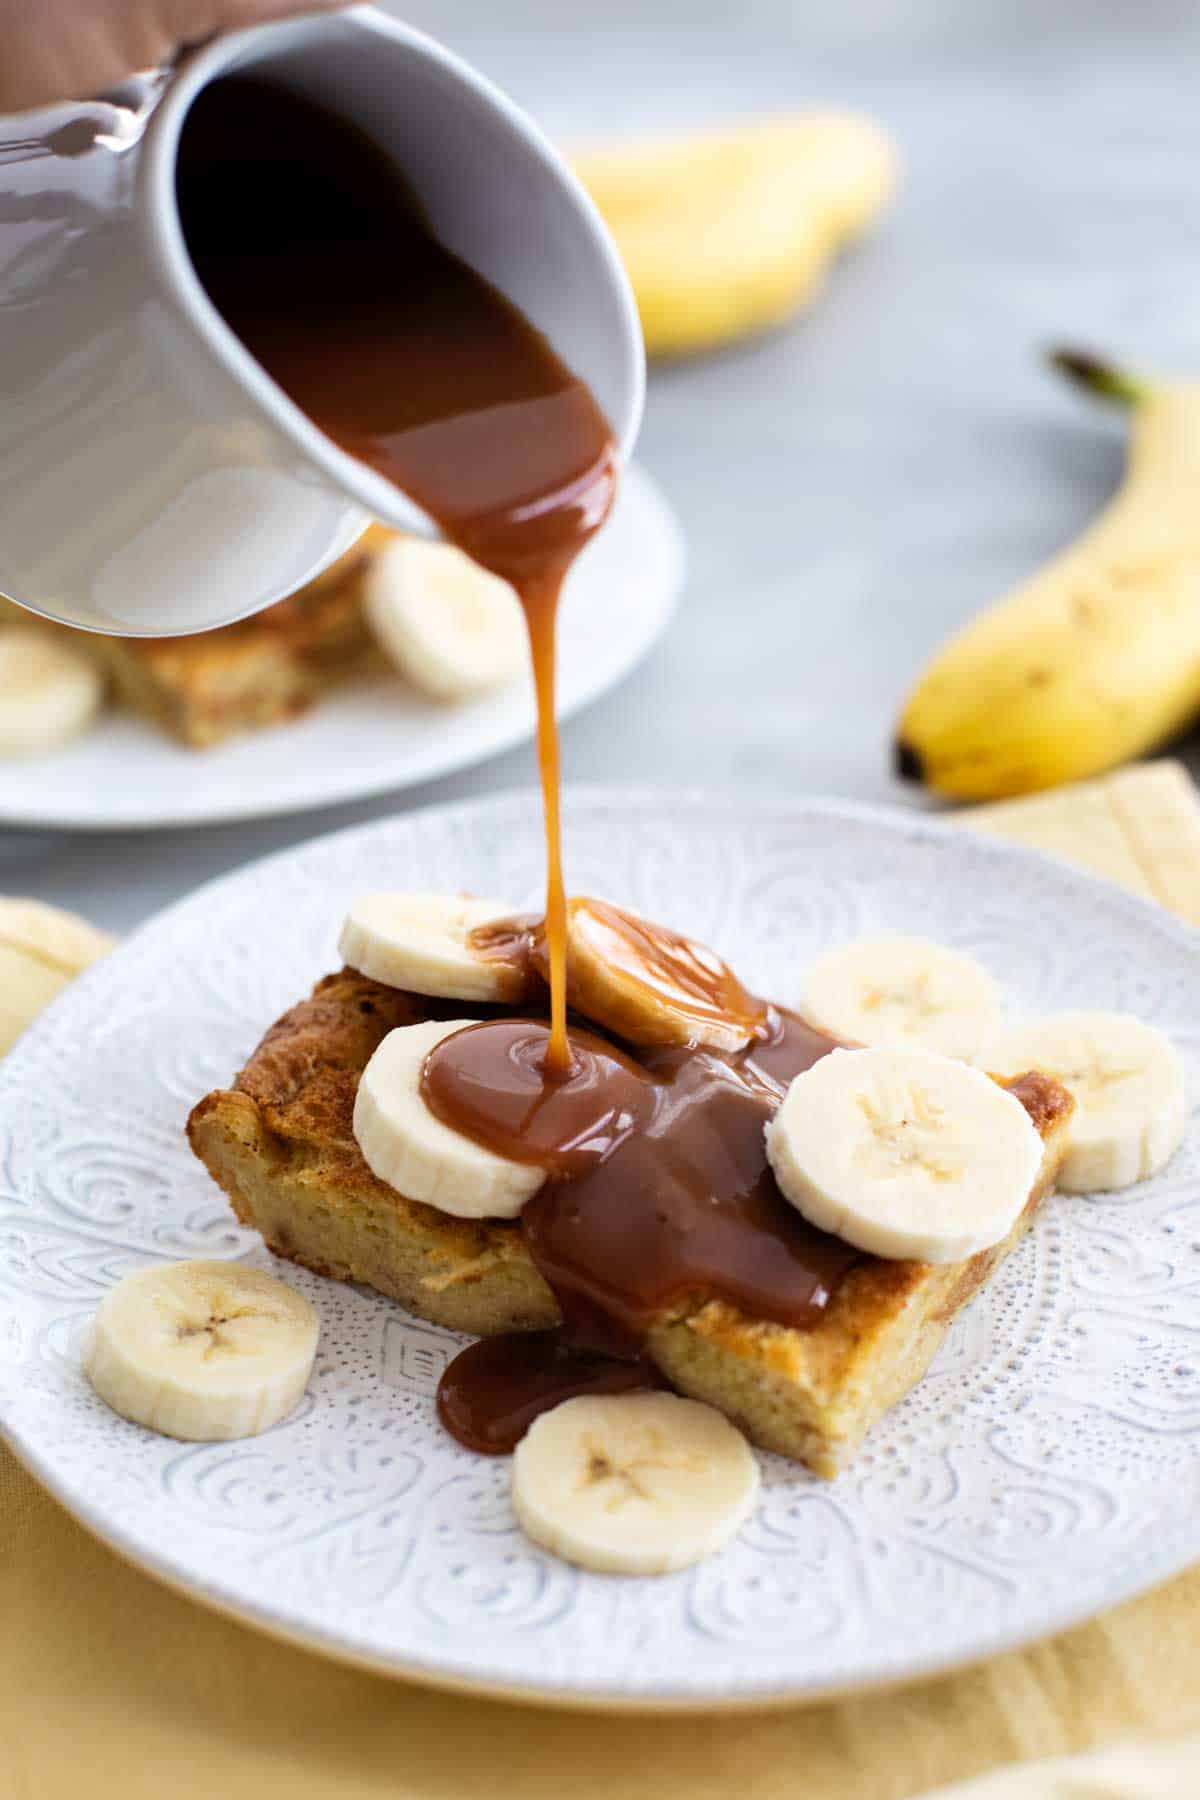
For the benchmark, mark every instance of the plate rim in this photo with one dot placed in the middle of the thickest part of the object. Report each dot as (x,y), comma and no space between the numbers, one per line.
(671,541)
(1153,1565)
(596,1699)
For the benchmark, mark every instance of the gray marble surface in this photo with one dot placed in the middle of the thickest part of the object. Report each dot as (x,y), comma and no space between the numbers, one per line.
(855,485)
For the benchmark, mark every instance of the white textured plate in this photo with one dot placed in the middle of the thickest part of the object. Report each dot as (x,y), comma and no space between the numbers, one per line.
(1047,1466)
(374,734)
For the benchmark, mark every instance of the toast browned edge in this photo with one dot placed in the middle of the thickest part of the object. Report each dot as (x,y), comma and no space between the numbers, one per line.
(281,1144)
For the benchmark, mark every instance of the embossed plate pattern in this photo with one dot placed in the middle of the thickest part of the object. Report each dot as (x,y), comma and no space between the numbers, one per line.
(1047,1466)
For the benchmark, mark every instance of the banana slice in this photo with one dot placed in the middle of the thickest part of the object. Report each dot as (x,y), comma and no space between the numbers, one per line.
(650,984)
(1129,1089)
(404,1144)
(633,1484)
(49,693)
(902,991)
(451,628)
(422,942)
(42,949)
(202,1350)
(904,1153)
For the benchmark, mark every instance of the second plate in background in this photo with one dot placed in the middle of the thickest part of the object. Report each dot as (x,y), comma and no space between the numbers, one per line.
(374,734)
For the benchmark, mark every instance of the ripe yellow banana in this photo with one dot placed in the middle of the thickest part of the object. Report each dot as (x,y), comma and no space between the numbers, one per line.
(1097,659)
(729,232)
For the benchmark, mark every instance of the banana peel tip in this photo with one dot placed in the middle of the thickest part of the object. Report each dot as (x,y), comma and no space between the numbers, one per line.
(907,762)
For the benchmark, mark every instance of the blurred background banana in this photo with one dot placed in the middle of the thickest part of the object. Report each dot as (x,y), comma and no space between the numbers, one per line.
(1097,658)
(42,949)
(729,232)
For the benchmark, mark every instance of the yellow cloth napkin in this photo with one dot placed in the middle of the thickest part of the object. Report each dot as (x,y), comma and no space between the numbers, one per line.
(114,1688)
(1130,1772)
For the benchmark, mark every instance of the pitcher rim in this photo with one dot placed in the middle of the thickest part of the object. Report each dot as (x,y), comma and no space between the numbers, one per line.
(164,236)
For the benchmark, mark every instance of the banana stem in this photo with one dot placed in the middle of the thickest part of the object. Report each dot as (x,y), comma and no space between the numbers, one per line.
(1096,376)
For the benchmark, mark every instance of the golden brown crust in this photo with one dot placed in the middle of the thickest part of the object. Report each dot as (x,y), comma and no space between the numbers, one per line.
(281,1143)
(300,1086)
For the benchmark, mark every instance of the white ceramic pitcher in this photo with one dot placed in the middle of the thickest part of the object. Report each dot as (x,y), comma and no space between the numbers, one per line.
(153,478)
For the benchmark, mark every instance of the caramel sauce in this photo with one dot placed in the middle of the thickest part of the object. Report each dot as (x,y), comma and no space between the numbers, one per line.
(511,941)
(494,1390)
(658,1195)
(311,246)
(489,1082)
(658,1191)
(683,1210)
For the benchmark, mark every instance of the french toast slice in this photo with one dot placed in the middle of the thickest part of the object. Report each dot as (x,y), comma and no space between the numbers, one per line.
(210,685)
(281,1144)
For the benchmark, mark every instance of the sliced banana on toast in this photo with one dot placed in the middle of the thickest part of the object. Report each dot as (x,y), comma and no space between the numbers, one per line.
(902,992)
(423,943)
(202,1350)
(450,627)
(1128,1085)
(406,1145)
(905,1153)
(49,691)
(651,985)
(633,1484)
